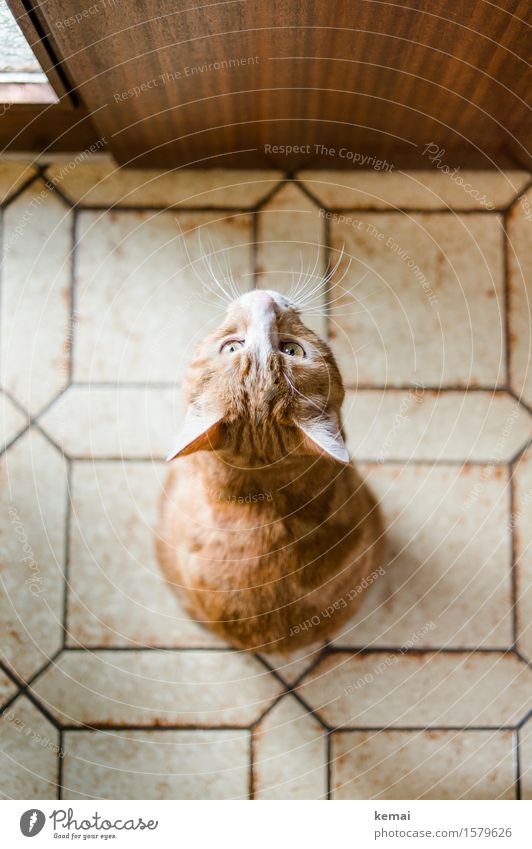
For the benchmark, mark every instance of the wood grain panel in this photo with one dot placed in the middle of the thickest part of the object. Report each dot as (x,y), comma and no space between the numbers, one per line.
(188,83)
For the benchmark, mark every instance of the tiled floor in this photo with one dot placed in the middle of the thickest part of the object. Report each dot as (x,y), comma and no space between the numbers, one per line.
(108,690)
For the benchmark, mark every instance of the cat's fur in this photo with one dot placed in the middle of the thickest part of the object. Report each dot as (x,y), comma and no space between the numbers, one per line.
(267,530)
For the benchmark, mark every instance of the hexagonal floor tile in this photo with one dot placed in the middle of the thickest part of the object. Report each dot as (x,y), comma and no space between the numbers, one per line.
(522,526)
(387,189)
(36,302)
(181,688)
(417,424)
(412,690)
(156,765)
(34,495)
(423,765)
(105,184)
(126,331)
(447,580)
(117,595)
(520,294)
(422,301)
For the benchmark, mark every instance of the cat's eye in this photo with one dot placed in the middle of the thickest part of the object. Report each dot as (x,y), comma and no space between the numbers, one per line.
(292,349)
(231,346)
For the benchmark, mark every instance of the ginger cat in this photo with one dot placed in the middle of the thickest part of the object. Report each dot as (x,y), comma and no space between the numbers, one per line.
(267,531)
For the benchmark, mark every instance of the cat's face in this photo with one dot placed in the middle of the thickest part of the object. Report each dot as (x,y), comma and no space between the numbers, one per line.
(263,387)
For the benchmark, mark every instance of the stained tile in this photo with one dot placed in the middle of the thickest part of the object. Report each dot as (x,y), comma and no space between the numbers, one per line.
(291,252)
(184,688)
(290,754)
(418,299)
(104,184)
(12,420)
(29,749)
(35,297)
(7,688)
(447,578)
(32,527)
(13,175)
(522,524)
(481,190)
(117,594)
(156,765)
(419,424)
(525,738)
(520,295)
(412,690)
(143,296)
(115,421)
(423,765)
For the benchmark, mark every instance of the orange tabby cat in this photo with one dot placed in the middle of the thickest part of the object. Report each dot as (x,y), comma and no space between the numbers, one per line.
(267,530)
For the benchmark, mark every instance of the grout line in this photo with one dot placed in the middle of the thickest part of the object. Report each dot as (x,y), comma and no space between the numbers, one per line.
(517,757)
(271,194)
(520,193)
(519,453)
(414,652)
(20,682)
(186,210)
(326,651)
(327,242)
(25,691)
(251,765)
(371,460)
(54,188)
(349,729)
(341,729)
(33,421)
(436,388)
(117,459)
(513,557)
(20,191)
(308,192)
(73,294)
(60,765)
(113,726)
(406,210)
(525,719)
(328,766)
(89,649)
(523,659)
(289,690)
(66,551)
(506,297)
(130,384)
(362,387)
(519,400)
(16,438)
(430,461)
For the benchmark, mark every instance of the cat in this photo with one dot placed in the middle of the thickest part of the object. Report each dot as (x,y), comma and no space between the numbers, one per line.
(267,531)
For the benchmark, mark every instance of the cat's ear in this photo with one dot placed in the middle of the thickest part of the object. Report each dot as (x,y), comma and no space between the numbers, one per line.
(323,436)
(201,431)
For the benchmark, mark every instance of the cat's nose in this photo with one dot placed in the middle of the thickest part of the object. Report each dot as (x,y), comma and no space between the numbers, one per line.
(264,298)
(262,331)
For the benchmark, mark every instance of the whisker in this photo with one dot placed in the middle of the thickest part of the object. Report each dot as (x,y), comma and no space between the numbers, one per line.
(192,264)
(309,287)
(207,261)
(303,280)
